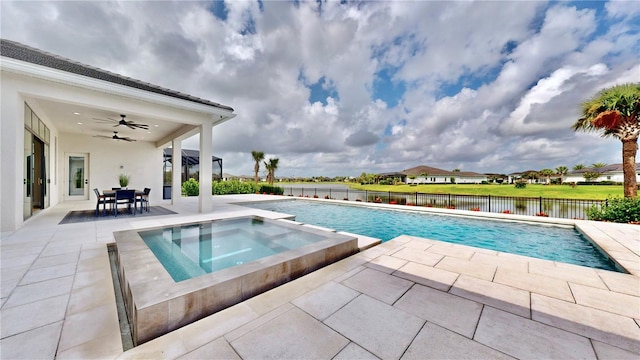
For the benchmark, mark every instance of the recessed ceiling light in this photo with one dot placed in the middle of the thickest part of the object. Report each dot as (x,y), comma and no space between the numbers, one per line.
(79,123)
(148,132)
(156,125)
(76,113)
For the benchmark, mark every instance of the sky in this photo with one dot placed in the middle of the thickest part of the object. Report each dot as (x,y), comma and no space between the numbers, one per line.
(343,87)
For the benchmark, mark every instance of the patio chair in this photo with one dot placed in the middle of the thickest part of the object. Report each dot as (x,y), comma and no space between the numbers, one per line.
(102,200)
(123,197)
(144,200)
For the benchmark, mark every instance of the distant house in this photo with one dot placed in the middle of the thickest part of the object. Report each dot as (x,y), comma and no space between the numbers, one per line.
(429,175)
(611,172)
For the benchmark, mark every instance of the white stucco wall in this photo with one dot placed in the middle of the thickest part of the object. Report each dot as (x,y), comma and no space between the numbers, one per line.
(142,161)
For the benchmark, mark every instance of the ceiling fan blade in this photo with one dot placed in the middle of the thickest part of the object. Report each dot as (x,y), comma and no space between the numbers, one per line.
(139,126)
(104,120)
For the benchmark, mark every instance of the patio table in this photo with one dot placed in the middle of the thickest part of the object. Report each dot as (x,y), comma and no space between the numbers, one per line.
(111,194)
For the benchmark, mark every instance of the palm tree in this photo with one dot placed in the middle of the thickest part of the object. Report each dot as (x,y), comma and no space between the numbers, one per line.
(578,167)
(257,157)
(616,112)
(547,173)
(598,165)
(271,167)
(562,171)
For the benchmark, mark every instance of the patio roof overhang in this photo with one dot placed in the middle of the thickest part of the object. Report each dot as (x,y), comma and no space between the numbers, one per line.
(69,97)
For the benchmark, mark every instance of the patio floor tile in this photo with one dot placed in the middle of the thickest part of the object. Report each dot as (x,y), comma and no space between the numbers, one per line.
(427,275)
(421,257)
(458,252)
(450,311)
(386,263)
(556,288)
(384,287)
(622,304)
(596,324)
(259,321)
(48,273)
(104,347)
(325,300)
(218,349)
(528,339)
(103,320)
(33,315)
(503,297)
(576,274)
(435,342)
(40,343)
(292,335)
(501,262)
(462,266)
(89,297)
(354,352)
(377,327)
(25,294)
(46,261)
(622,283)
(606,351)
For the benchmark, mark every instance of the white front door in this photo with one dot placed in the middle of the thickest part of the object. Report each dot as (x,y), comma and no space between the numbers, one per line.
(77,177)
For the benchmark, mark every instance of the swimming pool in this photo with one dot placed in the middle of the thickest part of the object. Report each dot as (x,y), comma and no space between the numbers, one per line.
(555,243)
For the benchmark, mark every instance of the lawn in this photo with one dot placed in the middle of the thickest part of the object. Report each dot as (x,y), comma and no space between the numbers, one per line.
(589,192)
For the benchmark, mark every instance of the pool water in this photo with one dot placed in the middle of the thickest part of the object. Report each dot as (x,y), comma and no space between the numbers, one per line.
(188,251)
(541,241)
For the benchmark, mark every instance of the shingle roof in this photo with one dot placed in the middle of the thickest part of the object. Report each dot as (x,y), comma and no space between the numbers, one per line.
(602,170)
(422,169)
(18,51)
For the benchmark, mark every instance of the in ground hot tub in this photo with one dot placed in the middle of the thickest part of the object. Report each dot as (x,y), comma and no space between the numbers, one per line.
(174,275)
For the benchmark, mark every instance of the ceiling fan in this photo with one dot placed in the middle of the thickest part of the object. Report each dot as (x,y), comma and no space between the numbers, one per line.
(123,122)
(115,137)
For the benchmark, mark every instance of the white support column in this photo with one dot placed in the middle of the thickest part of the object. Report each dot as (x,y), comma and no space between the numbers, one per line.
(11,159)
(176,171)
(206,152)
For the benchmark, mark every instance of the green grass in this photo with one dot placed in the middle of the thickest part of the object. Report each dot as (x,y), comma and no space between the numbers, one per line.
(589,192)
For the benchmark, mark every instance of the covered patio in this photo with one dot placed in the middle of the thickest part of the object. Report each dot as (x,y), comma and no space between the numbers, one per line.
(69,128)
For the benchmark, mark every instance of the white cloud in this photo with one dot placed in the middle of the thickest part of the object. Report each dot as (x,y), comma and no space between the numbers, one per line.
(490,86)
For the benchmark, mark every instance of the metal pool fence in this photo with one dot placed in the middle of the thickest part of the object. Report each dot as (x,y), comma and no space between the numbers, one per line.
(534,206)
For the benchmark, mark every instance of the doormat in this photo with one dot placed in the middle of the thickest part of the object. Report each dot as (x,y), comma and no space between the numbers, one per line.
(90,215)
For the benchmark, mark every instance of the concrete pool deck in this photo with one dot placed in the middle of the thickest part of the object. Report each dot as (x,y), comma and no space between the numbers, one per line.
(407,298)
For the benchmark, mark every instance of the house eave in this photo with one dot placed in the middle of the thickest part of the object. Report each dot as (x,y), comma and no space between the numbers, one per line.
(50,74)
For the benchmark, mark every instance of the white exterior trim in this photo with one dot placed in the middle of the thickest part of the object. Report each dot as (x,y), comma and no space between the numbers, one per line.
(64,77)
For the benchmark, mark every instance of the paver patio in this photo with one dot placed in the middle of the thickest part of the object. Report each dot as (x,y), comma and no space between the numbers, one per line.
(407,298)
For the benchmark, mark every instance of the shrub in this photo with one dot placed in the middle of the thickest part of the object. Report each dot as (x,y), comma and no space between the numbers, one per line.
(507,212)
(268,189)
(542,213)
(191,187)
(475,209)
(620,210)
(233,187)
(521,184)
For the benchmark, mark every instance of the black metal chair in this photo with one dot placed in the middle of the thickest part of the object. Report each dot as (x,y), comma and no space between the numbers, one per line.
(123,197)
(102,200)
(144,200)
